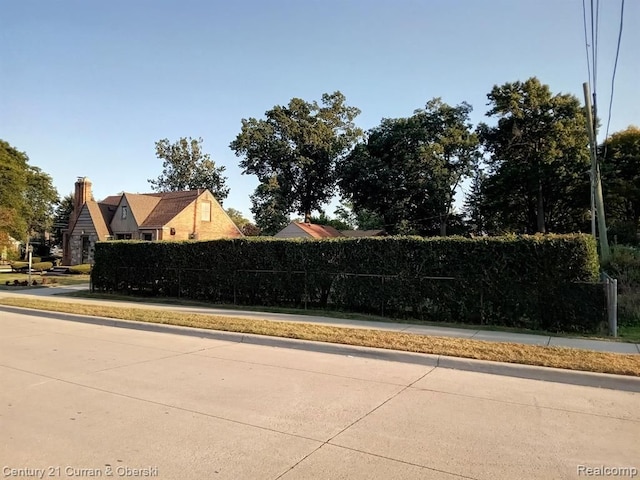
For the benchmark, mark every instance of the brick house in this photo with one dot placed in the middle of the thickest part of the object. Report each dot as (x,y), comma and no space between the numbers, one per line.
(185,215)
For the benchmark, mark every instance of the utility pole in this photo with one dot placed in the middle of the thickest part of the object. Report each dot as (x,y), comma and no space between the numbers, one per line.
(596,185)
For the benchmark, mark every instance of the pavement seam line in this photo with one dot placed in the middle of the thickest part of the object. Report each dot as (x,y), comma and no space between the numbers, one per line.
(507,402)
(294,369)
(326,442)
(166,405)
(381,405)
(401,461)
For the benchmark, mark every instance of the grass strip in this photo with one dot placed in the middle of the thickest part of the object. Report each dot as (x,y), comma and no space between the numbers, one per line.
(558,357)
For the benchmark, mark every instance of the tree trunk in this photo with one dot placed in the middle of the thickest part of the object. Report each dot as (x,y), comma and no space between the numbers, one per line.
(307,217)
(443,226)
(540,209)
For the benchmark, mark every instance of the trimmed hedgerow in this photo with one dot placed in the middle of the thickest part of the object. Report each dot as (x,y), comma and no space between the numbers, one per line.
(541,282)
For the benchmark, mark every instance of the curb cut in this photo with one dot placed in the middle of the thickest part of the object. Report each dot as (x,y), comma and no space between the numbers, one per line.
(531,372)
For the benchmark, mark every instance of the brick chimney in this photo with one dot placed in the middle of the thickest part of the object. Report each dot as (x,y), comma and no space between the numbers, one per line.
(82,195)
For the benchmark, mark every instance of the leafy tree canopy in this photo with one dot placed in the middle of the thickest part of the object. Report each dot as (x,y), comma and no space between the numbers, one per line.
(538,162)
(621,183)
(62,215)
(27,195)
(41,197)
(293,152)
(268,208)
(408,170)
(13,183)
(244,224)
(336,223)
(186,167)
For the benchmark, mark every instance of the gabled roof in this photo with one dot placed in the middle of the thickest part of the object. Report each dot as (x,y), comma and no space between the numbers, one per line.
(97,213)
(170,205)
(112,200)
(363,233)
(98,220)
(141,205)
(318,231)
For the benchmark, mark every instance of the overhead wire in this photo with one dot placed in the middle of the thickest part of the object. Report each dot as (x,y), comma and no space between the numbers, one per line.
(586,38)
(615,67)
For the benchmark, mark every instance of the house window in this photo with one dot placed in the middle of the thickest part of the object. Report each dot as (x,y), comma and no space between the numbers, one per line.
(124,212)
(205,211)
(147,237)
(123,236)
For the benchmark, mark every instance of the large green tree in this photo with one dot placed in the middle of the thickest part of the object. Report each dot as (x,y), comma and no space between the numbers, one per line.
(244,224)
(620,169)
(27,196)
(538,161)
(293,152)
(13,183)
(269,208)
(409,169)
(41,198)
(62,216)
(186,167)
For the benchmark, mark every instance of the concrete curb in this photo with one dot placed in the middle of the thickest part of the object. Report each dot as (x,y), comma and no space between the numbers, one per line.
(548,374)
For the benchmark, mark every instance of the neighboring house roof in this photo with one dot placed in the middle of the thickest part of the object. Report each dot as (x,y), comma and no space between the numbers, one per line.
(150,210)
(318,231)
(363,233)
(141,205)
(113,200)
(102,228)
(170,205)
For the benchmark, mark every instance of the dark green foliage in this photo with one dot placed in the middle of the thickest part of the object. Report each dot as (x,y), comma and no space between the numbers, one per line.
(624,265)
(293,152)
(530,282)
(537,180)
(621,184)
(186,167)
(408,171)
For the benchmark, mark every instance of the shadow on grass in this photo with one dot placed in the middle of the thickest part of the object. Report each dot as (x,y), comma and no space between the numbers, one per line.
(630,335)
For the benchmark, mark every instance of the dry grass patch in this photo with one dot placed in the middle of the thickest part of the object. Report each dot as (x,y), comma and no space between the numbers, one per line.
(559,357)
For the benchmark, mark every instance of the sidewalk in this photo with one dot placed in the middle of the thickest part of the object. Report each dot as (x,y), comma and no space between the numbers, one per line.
(55,293)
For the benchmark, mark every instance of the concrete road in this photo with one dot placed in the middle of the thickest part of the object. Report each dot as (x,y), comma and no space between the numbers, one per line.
(80,400)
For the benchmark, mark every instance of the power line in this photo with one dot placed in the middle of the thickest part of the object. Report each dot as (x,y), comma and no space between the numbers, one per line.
(595,50)
(586,38)
(615,67)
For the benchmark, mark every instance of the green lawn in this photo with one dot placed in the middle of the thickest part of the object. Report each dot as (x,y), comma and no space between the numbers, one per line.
(631,334)
(626,334)
(48,279)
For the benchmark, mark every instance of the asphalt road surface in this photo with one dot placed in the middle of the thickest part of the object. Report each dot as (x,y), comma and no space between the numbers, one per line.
(80,400)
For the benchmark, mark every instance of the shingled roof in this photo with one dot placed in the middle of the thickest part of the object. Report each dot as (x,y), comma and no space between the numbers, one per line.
(363,233)
(170,205)
(318,231)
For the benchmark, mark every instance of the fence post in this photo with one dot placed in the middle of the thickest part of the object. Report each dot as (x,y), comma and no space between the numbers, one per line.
(382,296)
(613,314)
(306,289)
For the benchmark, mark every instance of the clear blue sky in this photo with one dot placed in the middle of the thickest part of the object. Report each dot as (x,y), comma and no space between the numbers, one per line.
(88,86)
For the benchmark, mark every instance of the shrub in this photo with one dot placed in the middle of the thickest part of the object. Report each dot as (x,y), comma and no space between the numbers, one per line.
(541,282)
(624,265)
(41,266)
(80,269)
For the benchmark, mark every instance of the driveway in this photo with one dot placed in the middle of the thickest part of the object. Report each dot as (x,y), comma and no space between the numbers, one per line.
(82,400)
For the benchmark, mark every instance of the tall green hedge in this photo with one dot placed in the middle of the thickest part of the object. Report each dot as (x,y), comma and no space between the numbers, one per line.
(541,282)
